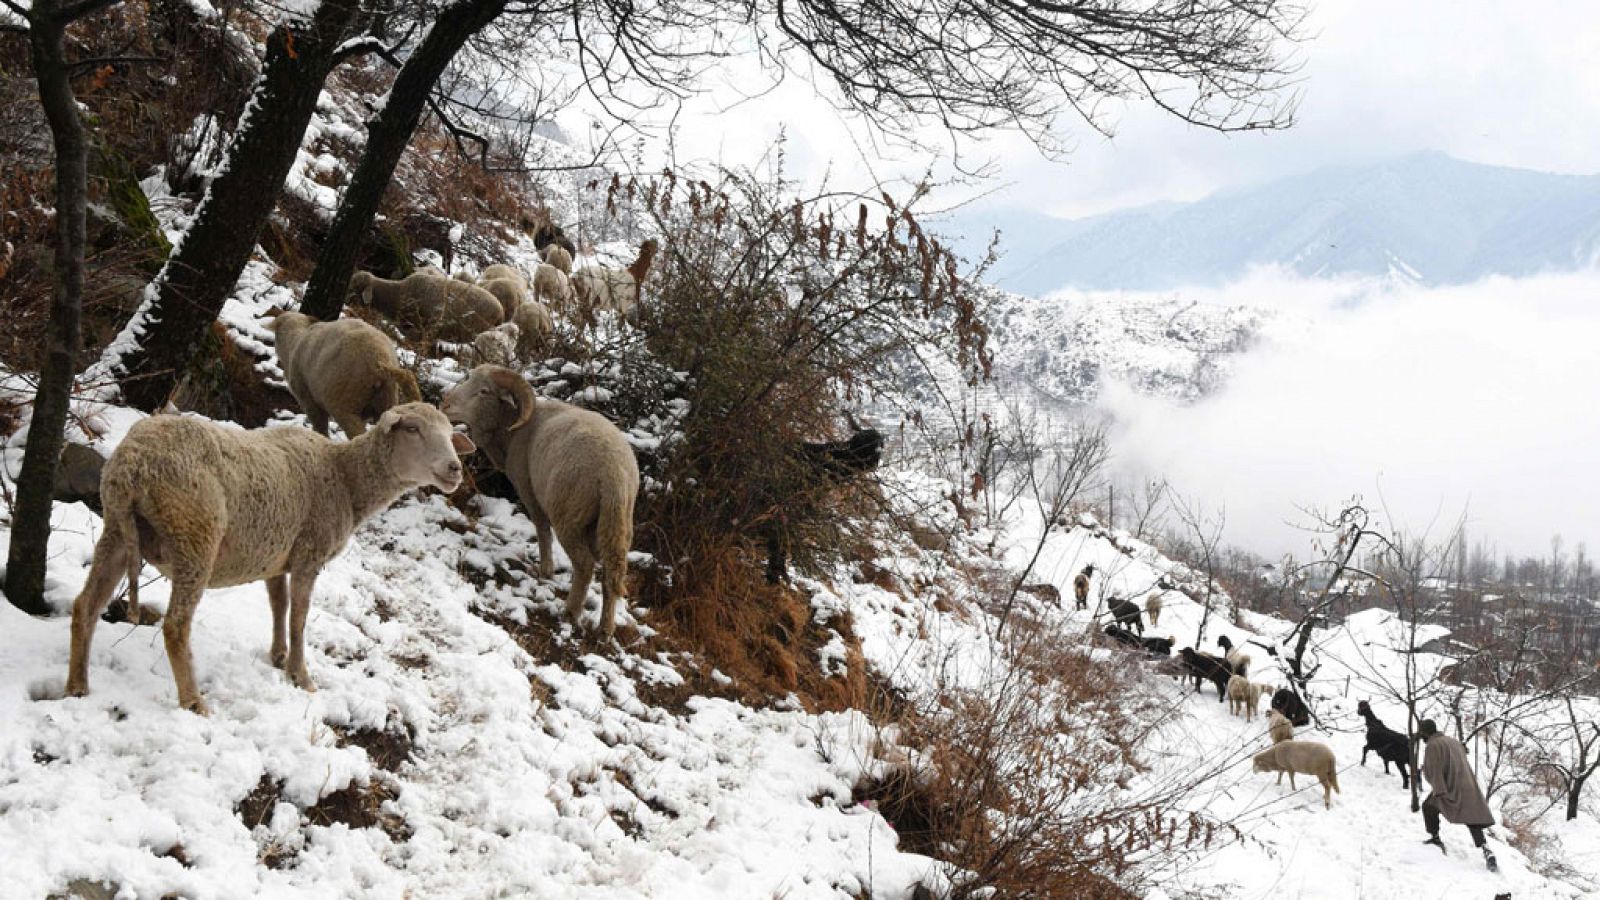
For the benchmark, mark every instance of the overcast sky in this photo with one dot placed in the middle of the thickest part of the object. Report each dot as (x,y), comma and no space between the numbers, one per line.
(1511,83)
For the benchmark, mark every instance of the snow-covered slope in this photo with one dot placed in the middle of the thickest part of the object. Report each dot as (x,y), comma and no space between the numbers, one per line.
(1425,217)
(1069,344)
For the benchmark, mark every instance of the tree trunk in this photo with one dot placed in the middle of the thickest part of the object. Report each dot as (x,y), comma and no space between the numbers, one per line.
(201,272)
(388,134)
(30,518)
(1574,792)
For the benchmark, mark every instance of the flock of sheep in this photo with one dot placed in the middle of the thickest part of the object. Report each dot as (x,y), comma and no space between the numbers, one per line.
(210,505)
(1230,674)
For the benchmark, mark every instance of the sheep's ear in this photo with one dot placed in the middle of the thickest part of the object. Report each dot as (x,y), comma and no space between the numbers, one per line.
(462,444)
(390,418)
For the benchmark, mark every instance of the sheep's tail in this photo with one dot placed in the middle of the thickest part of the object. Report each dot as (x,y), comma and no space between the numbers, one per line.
(395,386)
(1333,776)
(119,520)
(614,536)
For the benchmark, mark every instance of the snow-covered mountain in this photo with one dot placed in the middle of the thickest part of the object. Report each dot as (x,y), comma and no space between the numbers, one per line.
(1425,217)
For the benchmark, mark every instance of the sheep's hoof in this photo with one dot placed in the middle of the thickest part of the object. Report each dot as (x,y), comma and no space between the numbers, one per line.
(198,707)
(280,656)
(302,680)
(75,689)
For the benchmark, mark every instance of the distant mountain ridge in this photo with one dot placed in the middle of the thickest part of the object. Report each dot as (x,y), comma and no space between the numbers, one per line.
(1426,217)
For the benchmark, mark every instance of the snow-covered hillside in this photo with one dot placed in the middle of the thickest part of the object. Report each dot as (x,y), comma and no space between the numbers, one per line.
(464,742)
(1069,344)
(1427,218)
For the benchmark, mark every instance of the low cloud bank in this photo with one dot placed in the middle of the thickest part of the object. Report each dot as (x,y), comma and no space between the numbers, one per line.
(1482,399)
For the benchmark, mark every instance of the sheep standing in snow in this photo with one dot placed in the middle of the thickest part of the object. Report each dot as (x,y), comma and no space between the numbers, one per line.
(1391,745)
(1080,586)
(553,288)
(1126,612)
(344,369)
(429,303)
(1152,608)
(598,287)
(572,469)
(535,325)
(1236,656)
(507,285)
(1278,727)
(557,255)
(1243,697)
(1305,758)
(210,506)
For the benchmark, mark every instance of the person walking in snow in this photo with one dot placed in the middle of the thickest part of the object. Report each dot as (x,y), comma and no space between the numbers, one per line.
(1455,793)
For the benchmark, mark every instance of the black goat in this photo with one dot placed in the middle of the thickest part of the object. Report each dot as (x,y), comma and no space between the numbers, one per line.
(1124,636)
(550,233)
(823,462)
(1391,745)
(1207,667)
(1126,612)
(1293,708)
(1157,646)
(859,453)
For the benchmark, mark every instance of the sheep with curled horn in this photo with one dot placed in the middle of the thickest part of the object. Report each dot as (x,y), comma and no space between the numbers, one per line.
(573,470)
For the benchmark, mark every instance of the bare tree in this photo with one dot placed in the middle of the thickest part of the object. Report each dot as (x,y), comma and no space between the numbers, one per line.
(203,268)
(968,65)
(47,22)
(1055,479)
(1206,534)
(1575,769)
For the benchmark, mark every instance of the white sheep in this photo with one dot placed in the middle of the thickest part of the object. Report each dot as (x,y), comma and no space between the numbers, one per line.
(573,470)
(1279,727)
(211,506)
(345,369)
(428,302)
(511,292)
(557,255)
(598,287)
(503,271)
(1243,697)
(1306,758)
(535,325)
(552,288)
(497,346)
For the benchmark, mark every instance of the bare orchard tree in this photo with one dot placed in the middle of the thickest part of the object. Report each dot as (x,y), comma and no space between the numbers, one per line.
(1201,536)
(1060,470)
(1403,572)
(1580,739)
(46,24)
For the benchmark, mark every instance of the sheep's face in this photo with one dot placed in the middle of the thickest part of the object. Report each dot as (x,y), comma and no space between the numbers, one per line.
(423,448)
(485,407)
(1263,762)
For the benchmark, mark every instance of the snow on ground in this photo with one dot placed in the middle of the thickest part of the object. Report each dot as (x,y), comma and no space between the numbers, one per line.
(558,776)
(525,778)
(1369,845)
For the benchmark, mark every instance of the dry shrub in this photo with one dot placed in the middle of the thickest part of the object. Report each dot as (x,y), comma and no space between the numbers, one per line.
(1024,783)
(785,314)
(763,636)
